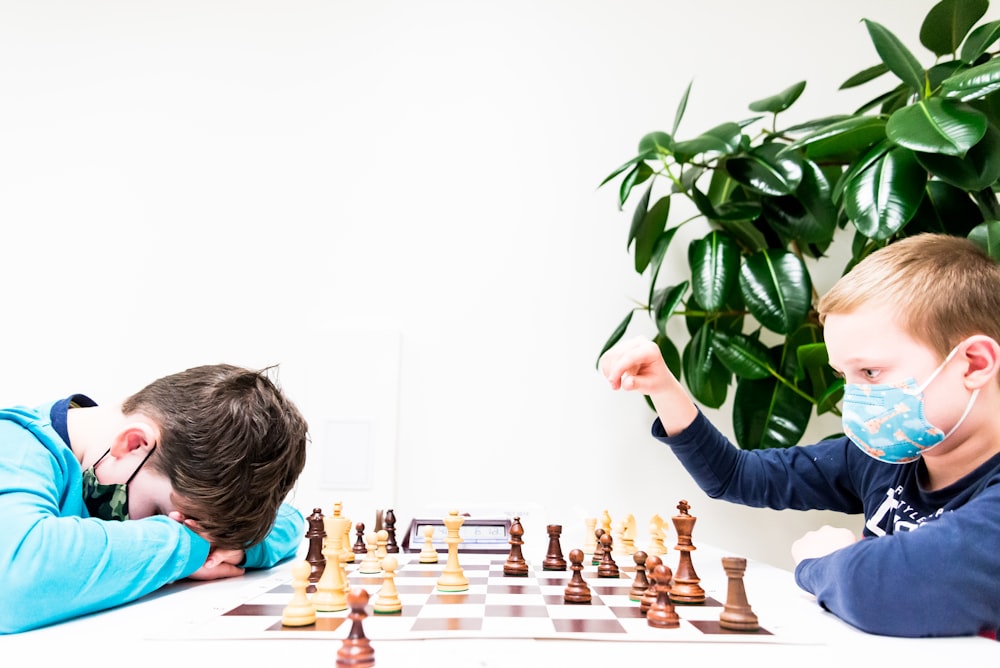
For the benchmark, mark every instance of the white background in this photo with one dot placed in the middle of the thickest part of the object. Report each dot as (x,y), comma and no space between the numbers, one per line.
(397,203)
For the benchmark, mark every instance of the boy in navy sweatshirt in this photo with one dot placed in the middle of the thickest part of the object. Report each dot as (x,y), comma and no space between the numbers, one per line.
(914,330)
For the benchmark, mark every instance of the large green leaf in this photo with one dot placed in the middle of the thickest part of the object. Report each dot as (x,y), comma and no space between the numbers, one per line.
(979,41)
(973,83)
(745,356)
(715,264)
(841,140)
(945,209)
(781,101)
(670,355)
(948,22)
(664,303)
(649,231)
(767,170)
(896,56)
(707,379)
(883,197)
(766,414)
(934,125)
(636,176)
(615,337)
(864,76)
(987,236)
(656,261)
(979,169)
(777,289)
(681,107)
(655,143)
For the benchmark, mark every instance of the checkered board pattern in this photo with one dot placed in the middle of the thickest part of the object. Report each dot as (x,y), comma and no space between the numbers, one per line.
(495,606)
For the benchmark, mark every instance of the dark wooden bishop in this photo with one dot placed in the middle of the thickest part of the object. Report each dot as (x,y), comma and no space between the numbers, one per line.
(356,649)
(554,557)
(391,546)
(515,564)
(577,589)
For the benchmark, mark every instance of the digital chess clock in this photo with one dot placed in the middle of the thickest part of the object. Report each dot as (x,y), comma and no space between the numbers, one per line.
(479,536)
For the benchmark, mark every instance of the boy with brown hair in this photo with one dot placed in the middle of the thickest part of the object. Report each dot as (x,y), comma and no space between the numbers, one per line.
(104,504)
(914,330)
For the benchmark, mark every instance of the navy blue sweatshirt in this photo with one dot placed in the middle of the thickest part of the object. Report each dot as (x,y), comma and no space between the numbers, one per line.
(943,580)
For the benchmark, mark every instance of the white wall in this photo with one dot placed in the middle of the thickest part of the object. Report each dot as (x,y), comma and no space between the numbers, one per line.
(397,202)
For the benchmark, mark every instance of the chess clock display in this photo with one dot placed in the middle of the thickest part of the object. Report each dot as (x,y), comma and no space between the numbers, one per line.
(479,535)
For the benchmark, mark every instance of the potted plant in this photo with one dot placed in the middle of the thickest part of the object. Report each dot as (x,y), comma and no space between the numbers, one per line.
(922,156)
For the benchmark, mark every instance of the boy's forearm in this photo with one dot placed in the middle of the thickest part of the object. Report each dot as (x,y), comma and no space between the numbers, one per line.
(674,408)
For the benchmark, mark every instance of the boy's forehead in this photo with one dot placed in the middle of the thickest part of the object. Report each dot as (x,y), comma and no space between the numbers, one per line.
(869,330)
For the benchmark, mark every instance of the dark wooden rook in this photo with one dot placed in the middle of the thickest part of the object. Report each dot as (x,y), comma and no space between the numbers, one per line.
(737,615)
(554,557)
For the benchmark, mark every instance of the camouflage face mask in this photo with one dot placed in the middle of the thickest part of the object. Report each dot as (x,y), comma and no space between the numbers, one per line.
(107,502)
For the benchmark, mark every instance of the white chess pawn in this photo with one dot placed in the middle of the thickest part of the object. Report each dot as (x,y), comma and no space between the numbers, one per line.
(370,563)
(429,554)
(387,602)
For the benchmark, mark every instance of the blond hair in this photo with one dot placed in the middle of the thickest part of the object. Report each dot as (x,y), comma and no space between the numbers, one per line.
(943,289)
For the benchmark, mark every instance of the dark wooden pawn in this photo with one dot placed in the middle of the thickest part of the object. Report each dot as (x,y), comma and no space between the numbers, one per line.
(554,557)
(577,590)
(598,550)
(356,649)
(737,615)
(515,564)
(359,543)
(607,568)
(315,534)
(391,546)
(652,561)
(661,613)
(640,583)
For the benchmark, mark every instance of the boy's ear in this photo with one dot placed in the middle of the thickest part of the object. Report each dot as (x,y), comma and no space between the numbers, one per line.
(982,354)
(133,436)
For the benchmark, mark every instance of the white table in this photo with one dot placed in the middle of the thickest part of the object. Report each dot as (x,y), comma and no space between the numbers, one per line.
(129,633)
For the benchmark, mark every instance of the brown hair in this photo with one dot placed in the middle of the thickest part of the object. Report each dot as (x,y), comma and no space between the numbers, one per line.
(231,444)
(943,288)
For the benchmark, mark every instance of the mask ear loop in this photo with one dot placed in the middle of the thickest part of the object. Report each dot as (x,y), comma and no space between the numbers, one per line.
(148,455)
(968,409)
(920,389)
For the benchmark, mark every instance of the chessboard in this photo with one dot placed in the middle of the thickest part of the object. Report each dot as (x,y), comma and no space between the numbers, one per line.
(496,605)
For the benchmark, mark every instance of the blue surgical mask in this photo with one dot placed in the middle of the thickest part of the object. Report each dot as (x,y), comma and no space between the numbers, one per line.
(887,421)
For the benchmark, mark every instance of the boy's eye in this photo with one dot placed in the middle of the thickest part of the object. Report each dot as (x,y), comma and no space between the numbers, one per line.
(870,374)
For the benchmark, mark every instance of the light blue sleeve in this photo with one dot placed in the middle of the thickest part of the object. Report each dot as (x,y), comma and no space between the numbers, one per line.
(281,543)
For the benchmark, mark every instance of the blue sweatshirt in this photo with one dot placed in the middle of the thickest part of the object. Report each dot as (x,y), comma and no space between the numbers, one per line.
(929,561)
(57,562)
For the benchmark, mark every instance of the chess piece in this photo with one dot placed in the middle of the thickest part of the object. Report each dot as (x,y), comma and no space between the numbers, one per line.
(598,547)
(330,595)
(685,588)
(452,576)
(387,602)
(737,615)
(515,564)
(315,535)
(429,555)
(628,535)
(346,549)
(370,564)
(577,590)
(338,529)
(607,568)
(359,543)
(606,521)
(391,546)
(382,544)
(661,613)
(639,583)
(356,649)
(554,557)
(589,539)
(646,600)
(300,610)
(657,537)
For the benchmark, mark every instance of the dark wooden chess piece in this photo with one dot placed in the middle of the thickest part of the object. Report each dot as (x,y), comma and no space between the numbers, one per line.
(577,590)
(661,613)
(685,588)
(316,533)
(737,615)
(598,550)
(391,546)
(515,564)
(356,649)
(652,561)
(639,583)
(607,568)
(359,544)
(554,557)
